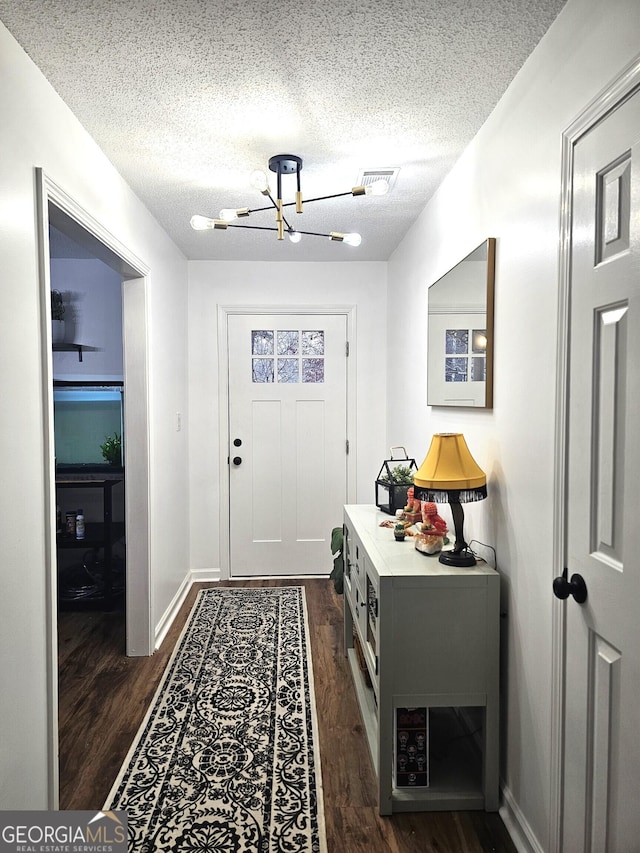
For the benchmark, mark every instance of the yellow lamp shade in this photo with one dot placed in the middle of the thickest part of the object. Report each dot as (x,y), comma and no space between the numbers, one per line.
(449,465)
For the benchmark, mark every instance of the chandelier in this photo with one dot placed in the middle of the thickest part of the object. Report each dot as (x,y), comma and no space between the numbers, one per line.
(285,165)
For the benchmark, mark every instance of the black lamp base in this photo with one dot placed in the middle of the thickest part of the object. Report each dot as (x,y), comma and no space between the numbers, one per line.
(461,559)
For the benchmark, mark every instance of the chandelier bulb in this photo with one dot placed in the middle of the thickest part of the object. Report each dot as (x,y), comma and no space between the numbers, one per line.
(380,187)
(295,236)
(202,223)
(352,239)
(228,214)
(259,181)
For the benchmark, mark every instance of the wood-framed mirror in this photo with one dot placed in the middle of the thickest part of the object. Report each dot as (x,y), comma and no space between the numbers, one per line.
(460,332)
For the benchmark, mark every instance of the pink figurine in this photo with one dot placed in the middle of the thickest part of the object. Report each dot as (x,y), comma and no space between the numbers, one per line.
(431,521)
(412,507)
(433,530)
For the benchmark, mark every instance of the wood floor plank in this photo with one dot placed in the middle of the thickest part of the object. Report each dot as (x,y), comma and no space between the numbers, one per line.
(104,697)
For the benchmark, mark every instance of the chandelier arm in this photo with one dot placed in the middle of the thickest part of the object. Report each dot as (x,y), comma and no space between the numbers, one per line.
(260,209)
(312,233)
(252,227)
(268,228)
(274,204)
(271,199)
(319,198)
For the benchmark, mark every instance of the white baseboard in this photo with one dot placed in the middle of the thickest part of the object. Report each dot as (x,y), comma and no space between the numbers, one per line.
(205,575)
(166,621)
(517,825)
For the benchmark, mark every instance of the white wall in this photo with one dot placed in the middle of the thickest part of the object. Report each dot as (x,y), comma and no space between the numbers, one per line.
(37,129)
(213,283)
(507,185)
(92,293)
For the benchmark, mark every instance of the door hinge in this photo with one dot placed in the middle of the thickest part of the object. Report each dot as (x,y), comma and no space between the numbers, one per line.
(347,446)
(347,348)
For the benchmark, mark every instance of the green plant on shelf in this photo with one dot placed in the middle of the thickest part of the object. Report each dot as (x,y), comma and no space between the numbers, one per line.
(57,305)
(112,449)
(401,475)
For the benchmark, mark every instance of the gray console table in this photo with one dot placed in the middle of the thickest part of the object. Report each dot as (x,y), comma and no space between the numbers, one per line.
(428,638)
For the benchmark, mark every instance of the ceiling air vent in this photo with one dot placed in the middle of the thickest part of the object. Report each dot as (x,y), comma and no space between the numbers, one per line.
(370,176)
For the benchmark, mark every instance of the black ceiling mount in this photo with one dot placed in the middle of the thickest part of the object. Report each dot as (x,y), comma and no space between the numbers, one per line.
(285,164)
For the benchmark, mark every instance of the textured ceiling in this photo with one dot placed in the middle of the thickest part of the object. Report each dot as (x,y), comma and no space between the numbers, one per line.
(188,97)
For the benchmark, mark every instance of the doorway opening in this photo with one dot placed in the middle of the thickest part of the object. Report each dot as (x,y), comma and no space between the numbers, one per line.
(118,499)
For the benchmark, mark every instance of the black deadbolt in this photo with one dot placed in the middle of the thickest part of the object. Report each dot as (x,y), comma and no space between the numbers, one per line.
(237,442)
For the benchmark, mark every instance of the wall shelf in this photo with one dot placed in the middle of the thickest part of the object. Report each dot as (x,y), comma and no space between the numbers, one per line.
(69,348)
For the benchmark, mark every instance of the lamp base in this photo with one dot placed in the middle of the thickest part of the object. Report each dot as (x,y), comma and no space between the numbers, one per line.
(462,559)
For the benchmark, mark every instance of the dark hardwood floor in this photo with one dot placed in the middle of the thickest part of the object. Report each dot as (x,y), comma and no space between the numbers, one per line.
(104,696)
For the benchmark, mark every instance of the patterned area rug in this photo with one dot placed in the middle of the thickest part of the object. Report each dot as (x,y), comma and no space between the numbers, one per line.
(226,760)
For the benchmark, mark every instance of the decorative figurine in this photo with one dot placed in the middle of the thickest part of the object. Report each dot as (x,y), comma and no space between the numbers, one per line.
(412,508)
(399,531)
(433,530)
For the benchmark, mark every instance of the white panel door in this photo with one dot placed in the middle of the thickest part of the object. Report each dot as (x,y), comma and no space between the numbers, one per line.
(287,441)
(602,744)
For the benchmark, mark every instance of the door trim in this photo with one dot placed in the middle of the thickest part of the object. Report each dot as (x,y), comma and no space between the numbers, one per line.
(138,612)
(224,311)
(611,97)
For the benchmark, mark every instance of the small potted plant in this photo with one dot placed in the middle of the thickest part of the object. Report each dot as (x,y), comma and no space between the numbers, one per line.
(112,449)
(57,317)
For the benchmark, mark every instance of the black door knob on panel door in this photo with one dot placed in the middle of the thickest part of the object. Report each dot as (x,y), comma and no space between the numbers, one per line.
(237,460)
(563,588)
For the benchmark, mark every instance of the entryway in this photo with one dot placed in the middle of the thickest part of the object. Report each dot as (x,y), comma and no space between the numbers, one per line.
(287,376)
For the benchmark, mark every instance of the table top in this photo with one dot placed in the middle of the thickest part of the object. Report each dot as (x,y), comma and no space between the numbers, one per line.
(401,558)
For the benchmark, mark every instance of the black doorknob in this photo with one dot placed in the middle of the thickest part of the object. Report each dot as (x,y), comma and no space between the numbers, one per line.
(563,588)
(237,460)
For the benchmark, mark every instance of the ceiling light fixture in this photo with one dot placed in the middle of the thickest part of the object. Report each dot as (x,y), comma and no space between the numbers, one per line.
(283,165)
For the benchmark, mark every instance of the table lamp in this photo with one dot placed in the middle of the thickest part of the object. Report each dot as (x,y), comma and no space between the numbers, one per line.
(450,474)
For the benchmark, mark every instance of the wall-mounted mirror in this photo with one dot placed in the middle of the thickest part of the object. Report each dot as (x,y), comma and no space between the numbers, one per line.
(460,342)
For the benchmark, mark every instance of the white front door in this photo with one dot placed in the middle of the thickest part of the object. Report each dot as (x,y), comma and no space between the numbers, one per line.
(287,441)
(601,812)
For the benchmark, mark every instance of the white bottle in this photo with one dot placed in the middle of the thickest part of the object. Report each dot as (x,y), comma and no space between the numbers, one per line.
(80,525)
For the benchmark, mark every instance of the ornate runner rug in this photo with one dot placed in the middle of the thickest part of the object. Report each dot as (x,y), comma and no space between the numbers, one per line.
(226,759)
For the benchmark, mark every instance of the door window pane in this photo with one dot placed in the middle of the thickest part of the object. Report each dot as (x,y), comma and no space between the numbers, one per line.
(288,370)
(457,341)
(479,340)
(313,343)
(261,342)
(455,369)
(288,342)
(313,370)
(262,370)
(478,369)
